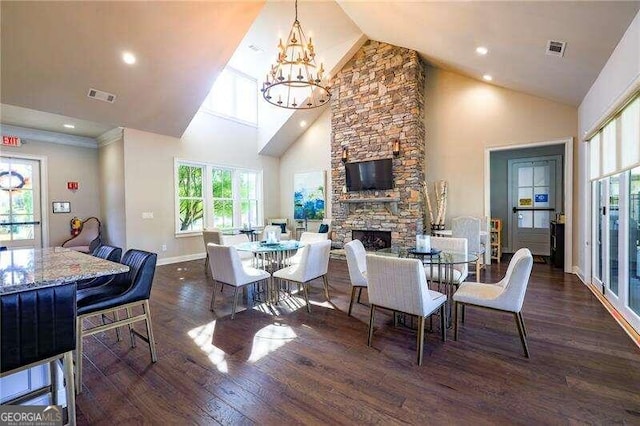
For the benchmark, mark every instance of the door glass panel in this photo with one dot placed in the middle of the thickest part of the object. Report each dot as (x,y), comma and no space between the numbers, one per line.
(540,175)
(525,219)
(525,197)
(614,226)
(541,196)
(597,214)
(525,176)
(541,220)
(634,243)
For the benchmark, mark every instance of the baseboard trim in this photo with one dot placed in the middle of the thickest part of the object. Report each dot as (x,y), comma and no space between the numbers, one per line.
(178,259)
(578,272)
(631,332)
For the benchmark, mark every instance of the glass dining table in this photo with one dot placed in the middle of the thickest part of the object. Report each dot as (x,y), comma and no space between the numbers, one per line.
(271,257)
(439,267)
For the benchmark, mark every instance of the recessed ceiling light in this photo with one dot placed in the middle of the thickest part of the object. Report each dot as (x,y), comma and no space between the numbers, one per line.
(481,50)
(303,123)
(487,77)
(69,126)
(129,58)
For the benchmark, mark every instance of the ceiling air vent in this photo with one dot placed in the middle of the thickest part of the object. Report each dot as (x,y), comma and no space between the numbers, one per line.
(556,48)
(101,96)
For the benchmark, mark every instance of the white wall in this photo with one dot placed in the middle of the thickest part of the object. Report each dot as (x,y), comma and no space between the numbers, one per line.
(311,152)
(149,184)
(619,77)
(112,197)
(66,163)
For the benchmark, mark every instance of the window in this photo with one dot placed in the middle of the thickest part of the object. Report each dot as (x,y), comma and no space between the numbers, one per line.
(190,197)
(214,196)
(234,95)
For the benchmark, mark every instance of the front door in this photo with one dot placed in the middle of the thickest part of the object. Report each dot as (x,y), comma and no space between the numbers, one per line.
(535,194)
(20,213)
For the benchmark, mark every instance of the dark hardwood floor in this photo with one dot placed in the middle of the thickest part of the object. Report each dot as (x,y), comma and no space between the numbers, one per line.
(316,368)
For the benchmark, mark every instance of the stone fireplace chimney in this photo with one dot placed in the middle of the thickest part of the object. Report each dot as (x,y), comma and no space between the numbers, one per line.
(378,98)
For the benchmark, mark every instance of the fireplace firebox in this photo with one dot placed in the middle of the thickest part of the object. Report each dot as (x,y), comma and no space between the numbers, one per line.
(372,240)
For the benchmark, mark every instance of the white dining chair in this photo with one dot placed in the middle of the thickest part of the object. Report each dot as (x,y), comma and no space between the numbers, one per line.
(276,229)
(469,227)
(507,295)
(400,285)
(227,268)
(235,239)
(314,263)
(460,271)
(357,264)
(211,235)
(307,238)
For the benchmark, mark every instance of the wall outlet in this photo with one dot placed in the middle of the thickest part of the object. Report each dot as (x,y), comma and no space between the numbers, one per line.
(147,215)
(164,247)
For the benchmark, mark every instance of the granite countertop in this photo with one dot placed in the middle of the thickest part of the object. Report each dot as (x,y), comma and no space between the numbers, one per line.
(27,269)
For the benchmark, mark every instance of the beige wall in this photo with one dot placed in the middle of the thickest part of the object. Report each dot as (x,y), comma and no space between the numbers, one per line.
(464,116)
(149,185)
(66,163)
(111,174)
(311,152)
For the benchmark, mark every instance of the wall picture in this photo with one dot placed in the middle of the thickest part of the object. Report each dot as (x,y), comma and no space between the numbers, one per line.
(308,195)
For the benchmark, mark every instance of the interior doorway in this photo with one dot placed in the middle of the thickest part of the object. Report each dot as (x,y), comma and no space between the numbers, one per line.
(554,160)
(535,196)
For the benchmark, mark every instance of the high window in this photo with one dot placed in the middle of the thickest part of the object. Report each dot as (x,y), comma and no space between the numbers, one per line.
(234,95)
(215,196)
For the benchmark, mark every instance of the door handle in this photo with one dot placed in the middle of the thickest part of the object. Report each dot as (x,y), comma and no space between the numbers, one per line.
(534,209)
(19,223)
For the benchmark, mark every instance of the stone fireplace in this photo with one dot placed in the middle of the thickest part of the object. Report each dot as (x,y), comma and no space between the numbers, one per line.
(378,97)
(372,240)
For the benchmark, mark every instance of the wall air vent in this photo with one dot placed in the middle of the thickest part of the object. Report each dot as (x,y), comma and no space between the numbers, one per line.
(101,96)
(556,48)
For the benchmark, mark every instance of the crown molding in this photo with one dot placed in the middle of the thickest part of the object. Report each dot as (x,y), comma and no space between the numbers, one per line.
(51,137)
(110,136)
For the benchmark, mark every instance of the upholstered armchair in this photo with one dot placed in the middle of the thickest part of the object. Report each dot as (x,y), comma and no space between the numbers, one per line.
(88,238)
(283,223)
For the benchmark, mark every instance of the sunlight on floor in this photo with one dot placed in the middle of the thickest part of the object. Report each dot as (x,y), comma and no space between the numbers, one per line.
(270,338)
(203,336)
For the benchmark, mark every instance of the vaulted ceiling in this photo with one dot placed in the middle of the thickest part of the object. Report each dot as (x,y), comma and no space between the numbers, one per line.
(54,52)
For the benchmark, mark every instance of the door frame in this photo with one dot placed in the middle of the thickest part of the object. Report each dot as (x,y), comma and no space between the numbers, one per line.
(567,189)
(44,191)
(510,164)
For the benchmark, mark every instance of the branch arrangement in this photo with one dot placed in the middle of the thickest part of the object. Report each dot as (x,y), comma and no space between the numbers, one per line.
(441,189)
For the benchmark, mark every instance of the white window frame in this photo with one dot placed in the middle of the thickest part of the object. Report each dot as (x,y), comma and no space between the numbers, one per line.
(206,105)
(208,194)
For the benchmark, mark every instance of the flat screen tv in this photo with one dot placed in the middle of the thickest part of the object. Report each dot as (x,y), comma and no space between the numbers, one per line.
(376,175)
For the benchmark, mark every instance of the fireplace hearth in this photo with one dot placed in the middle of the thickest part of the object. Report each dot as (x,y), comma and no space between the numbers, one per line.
(372,240)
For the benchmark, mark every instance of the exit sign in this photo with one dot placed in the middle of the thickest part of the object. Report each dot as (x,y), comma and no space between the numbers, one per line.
(11,141)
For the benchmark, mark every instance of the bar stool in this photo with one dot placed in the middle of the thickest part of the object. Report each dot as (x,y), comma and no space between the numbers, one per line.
(38,327)
(125,292)
(106,252)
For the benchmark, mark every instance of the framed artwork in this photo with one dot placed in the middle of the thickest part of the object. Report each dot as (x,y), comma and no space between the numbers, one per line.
(308,195)
(61,207)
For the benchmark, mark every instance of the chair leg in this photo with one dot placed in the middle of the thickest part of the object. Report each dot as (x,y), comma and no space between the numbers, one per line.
(325,282)
(463,308)
(420,339)
(78,361)
(235,303)
(359,294)
(67,362)
(523,339)
(353,293)
(53,376)
(371,315)
(524,329)
(116,317)
(213,295)
(152,340)
(443,321)
(132,336)
(206,266)
(306,296)
(455,321)
(478,270)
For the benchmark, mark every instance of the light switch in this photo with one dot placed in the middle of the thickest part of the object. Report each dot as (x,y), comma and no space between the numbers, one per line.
(147,215)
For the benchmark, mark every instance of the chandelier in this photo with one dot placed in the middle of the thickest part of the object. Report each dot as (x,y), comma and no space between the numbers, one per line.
(295,81)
